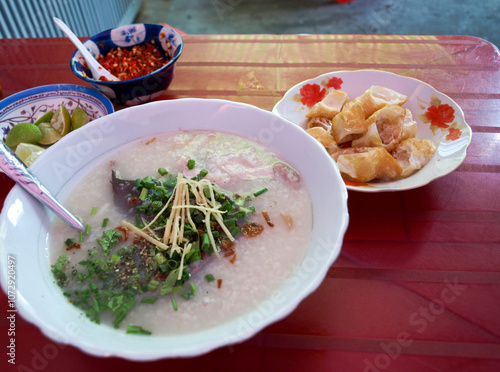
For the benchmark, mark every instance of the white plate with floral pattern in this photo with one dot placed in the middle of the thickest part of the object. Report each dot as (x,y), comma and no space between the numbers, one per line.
(438,118)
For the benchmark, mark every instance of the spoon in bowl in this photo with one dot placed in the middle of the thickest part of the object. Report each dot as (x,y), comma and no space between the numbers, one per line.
(15,169)
(98,72)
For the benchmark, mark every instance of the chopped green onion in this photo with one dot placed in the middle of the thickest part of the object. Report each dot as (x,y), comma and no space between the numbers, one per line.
(205,242)
(81,236)
(203,172)
(174,304)
(190,164)
(193,288)
(148,182)
(137,330)
(69,242)
(162,171)
(119,318)
(152,285)
(144,193)
(87,229)
(149,300)
(105,222)
(235,231)
(94,210)
(260,192)
(209,278)
(160,258)
(230,222)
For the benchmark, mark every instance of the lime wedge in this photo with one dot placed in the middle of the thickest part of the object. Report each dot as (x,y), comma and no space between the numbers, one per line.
(28,152)
(61,121)
(45,118)
(49,134)
(23,132)
(79,118)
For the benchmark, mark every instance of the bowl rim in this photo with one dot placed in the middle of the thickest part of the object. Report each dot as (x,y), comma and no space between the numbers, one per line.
(58,87)
(113,83)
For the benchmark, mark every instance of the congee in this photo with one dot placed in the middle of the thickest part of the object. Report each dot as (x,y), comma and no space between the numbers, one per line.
(184,231)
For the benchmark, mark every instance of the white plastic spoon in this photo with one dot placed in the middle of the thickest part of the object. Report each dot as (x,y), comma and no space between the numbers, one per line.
(94,66)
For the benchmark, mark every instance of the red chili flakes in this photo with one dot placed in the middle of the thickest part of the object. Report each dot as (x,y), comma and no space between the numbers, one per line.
(267,218)
(233,259)
(252,229)
(128,64)
(133,201)
(151,141)
(219,283)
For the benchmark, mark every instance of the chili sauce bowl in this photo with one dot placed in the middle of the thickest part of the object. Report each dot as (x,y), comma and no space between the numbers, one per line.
(138,90)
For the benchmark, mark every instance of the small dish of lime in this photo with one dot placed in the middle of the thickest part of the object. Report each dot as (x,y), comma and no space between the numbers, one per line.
(36,118)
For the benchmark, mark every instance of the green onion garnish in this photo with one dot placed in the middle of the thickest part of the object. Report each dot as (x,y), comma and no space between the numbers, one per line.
(137,330)
(193,288)
(190,164)
(209,278)
(105,222)
(260,192)
(153,284)
(87,229)
(94,210)
(81,236)
(174,304)
(203,172)
(144,193)
(69,242)
(162,171)
(149,300)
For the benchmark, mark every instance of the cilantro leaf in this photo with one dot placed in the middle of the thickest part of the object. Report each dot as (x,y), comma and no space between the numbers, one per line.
(109,240)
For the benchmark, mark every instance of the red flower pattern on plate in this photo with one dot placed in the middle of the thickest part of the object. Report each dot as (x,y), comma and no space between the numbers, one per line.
(311,94)
(335,83)
(454,134)
(440,115)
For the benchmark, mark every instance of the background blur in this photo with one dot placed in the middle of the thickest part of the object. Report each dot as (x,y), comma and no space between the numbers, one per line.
(439,17)
(33,18)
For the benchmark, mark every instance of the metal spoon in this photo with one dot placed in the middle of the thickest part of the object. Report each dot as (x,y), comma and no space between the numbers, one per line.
(15,169)
(95,67)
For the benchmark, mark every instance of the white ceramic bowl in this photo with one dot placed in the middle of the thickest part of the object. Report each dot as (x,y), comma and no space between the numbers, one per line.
(41,302)
(451,142)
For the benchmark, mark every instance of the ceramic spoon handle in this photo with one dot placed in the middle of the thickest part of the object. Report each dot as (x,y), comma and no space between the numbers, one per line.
(15,169)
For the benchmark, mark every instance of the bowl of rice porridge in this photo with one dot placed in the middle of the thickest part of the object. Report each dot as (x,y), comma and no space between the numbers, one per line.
(206,221)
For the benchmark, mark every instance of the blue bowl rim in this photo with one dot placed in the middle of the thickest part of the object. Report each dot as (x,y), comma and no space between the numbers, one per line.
(111,83)
(56,87)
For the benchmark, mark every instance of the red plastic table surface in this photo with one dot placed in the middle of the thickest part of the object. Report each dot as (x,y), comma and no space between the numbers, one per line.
(417,284)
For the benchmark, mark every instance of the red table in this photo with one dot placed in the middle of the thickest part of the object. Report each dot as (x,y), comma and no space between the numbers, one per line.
(417,284)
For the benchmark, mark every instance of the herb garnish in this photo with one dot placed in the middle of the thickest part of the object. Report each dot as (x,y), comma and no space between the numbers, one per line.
(178,221)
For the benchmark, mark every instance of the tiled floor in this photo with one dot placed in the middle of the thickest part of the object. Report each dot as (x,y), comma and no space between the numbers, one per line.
(441,17)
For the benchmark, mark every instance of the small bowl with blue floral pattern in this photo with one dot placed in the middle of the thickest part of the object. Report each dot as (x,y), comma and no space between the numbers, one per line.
(141,55)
